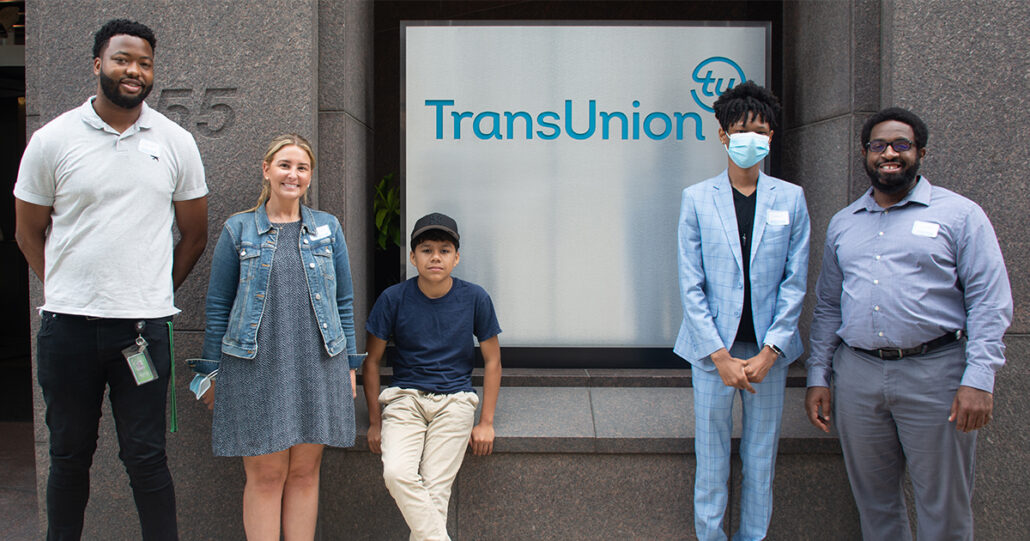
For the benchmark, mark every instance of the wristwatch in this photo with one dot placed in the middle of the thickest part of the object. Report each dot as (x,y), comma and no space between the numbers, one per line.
(775,349)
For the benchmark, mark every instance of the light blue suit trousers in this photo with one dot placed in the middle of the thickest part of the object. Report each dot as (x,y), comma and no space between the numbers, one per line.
(760,431)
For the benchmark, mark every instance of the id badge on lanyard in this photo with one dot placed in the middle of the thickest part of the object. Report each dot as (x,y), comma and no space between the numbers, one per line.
(138,357)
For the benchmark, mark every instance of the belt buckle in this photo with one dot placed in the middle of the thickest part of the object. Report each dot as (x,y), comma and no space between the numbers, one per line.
(901,353)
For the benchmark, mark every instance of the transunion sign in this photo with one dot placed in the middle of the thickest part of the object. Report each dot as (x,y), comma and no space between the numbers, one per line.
(561,150)
(552,125)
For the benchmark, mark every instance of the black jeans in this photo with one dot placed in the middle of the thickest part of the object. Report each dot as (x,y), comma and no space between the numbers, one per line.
(77,358)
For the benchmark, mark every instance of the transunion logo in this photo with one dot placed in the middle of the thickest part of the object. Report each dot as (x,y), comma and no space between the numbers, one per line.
(579,121)
(715,75)
(576,120)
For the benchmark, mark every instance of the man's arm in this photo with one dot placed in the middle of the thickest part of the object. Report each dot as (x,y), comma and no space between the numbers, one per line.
(375,347)
(191,219)
(988,300)
(827,317)
(482,439)
(31,222)
(691,271)
(823,337)
(696,314)
(791,296)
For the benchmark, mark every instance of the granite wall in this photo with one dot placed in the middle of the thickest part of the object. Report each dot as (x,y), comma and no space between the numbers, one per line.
(964,67)
(235,74)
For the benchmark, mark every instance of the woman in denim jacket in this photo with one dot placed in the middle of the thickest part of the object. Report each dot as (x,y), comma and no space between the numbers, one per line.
(280,317)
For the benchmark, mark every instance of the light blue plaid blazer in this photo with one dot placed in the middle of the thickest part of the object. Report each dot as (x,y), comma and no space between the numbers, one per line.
(710,268)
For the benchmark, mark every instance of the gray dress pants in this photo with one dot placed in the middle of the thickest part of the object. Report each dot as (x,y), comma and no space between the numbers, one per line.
(892,415)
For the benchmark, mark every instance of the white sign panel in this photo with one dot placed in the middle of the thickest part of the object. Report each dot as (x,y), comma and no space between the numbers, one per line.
(562,151)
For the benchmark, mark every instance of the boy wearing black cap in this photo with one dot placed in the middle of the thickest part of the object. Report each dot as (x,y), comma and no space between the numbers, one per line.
(428,411)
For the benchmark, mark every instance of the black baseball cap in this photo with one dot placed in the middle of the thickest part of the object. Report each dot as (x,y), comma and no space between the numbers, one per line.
(436,220)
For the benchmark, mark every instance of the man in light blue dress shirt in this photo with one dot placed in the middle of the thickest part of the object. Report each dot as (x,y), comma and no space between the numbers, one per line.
(912,302)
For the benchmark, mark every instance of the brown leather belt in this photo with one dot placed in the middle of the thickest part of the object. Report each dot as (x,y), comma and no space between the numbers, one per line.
(893,354)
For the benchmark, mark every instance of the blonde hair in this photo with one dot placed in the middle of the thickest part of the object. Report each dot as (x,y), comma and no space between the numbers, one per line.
(275,146)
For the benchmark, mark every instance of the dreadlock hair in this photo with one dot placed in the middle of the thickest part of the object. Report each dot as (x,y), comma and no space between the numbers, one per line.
(744,102)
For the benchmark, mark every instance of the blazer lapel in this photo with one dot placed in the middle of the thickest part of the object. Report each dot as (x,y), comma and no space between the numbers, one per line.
(723,197)
(766,200)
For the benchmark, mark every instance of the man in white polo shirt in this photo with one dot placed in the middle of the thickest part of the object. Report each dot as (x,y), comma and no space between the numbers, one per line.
(107,179)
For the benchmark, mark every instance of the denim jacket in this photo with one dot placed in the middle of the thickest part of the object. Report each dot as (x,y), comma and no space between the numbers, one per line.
(240,270)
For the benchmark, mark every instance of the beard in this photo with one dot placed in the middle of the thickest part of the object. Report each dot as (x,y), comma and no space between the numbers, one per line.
(110,88)
(895,182)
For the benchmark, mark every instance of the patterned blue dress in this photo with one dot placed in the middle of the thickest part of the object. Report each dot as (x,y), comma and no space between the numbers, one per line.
(292,391)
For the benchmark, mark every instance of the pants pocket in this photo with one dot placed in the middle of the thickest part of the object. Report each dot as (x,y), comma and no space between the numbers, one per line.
(390,395)
(471,398)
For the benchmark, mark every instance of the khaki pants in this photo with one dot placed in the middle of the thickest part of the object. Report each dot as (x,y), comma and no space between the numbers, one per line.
(424,440)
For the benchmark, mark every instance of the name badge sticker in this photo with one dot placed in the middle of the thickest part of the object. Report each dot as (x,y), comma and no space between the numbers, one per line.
(925,229)
(150,148)
(777,217)
(321,232)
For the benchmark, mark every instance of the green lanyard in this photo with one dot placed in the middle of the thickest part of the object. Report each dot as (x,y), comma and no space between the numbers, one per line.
(171,355)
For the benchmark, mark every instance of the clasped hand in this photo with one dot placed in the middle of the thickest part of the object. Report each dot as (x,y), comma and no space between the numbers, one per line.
(741,373)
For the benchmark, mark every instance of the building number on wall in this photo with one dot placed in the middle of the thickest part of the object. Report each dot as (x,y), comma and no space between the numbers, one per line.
(213,116)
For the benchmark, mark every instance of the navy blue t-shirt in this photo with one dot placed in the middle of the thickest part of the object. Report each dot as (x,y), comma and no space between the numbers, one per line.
(433,336)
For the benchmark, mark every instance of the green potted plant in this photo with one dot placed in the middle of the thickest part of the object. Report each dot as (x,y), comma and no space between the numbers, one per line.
(386,212)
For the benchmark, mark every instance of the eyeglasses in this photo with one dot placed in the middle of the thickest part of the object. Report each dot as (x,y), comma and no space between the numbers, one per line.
(879,145)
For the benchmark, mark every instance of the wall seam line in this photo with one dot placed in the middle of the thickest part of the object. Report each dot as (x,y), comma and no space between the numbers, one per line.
(347,114)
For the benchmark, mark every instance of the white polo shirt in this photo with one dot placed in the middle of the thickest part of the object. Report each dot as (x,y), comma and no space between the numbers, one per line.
(109,249)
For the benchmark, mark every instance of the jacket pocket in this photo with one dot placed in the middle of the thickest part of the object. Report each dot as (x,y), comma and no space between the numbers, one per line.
(323,254)
(250,257)
(325,260)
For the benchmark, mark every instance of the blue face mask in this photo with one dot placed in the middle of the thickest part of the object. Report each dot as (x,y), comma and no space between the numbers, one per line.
(747,148)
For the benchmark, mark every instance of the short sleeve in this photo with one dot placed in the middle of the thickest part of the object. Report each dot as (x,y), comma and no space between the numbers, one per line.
(486,326)
(381,321)
(190,182)
(36,181)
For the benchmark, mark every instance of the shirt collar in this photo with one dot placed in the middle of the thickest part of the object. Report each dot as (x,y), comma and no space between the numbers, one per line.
(90,116)
(919,194)
(724,181)
(264,225)
(307,220)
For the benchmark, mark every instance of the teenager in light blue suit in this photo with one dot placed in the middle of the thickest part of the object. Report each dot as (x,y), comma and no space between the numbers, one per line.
(743,263)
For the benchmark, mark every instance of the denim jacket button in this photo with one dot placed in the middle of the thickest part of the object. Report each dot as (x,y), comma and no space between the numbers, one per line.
(305,241)
(325,325)
(312,265)
(318,296)
(243,252)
